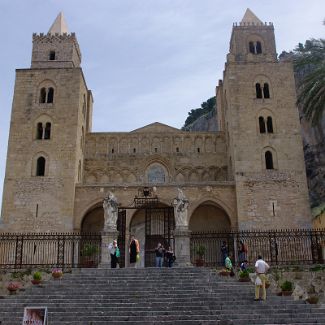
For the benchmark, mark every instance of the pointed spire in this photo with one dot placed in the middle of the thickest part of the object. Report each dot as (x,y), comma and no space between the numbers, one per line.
(59,26)
(250,17)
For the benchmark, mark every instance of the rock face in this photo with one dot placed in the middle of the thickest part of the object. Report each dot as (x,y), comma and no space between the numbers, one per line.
(313,145)
(207,122)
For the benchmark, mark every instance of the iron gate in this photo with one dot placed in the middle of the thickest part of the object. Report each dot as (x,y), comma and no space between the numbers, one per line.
(159,226)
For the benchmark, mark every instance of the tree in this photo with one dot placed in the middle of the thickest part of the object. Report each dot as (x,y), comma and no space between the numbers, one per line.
(309,59)
(194,114)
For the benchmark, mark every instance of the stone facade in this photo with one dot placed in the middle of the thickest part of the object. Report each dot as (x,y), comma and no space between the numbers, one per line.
(222,173)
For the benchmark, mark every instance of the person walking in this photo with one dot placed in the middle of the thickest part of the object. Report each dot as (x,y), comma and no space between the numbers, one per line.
(159,255)
(114,252)
(134,251)
(170,256)
(261,267)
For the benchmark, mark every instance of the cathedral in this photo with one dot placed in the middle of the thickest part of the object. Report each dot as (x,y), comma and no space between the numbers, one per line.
(247,175)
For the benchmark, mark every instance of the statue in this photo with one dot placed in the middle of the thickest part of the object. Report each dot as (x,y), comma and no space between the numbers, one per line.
(180,209)
(110,206)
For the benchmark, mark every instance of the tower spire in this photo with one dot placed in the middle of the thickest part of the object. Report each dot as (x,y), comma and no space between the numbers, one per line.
(59,26)
(250,17)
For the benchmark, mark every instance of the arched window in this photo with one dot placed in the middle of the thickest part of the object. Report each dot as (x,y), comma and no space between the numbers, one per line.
(261,124)
(251,47)
(156,174)
(266,91)
(47,133)
(40,166)
(269,124)
(258,47)
(50,95)
(258,90)
(39,131)
(52,55)
(268,160)
(42,97)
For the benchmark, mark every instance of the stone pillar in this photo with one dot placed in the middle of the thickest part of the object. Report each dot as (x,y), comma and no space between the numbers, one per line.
(182,237)
(107,237)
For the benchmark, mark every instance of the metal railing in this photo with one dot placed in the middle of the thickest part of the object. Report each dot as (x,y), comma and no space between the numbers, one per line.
(66,250)
(278,247)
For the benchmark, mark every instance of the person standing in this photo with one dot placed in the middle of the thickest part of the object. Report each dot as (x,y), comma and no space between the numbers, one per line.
(242,253)
(261,267)
(134,251)
(159,255)
(114,252)
(224,251)
(170,256)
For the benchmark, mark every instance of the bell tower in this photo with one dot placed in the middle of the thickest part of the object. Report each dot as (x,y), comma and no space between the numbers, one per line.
(257,112)
(51,113)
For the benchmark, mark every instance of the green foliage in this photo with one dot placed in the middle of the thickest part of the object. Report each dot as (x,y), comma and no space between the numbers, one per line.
(244,274)
(201,250)
(310,60)
(37,276)
(317,268)
(287,286)
(89,250)
(194,114)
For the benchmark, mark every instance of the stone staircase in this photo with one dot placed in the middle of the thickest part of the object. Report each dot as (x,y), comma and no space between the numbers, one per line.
(155,296)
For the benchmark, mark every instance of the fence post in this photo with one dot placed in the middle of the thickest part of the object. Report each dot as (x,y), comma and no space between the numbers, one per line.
(19,251)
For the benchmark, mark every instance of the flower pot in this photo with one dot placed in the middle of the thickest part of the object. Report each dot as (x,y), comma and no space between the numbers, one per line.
(199,262)
(36,281)
(224,273)
(312,300)
(57,275)
(286,293)
(267,285)
(245,279)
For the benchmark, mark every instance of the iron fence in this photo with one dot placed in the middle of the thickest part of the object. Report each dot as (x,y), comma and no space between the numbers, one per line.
(66,250)
(278,247)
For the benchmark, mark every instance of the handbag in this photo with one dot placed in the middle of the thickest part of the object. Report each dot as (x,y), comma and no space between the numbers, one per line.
(138,257)
(117,252)
(258,281)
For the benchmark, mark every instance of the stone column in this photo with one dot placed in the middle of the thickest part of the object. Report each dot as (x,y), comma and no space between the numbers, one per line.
(107,237)
(182,237)
(109,232)
(182,233)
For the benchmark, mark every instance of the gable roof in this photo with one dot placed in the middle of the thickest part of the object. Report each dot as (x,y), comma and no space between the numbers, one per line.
(156,127)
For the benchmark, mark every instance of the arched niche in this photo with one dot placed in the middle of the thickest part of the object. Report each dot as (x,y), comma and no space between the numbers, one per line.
(209,216)
(93,221)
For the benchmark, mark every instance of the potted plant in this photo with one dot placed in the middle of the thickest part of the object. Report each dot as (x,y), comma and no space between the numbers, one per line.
(12,287)
(89,251)
(287,288)
(224,272)
(200,251)
(312,299)
(57,273)
(37,277)
(244,276)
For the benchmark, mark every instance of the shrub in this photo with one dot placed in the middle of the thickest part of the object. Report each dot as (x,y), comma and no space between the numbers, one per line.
(37,276)
(89,250)
(287,286)
(244,274)
(201,250)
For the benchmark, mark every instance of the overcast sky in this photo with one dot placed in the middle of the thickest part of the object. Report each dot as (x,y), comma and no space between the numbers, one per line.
(144,60)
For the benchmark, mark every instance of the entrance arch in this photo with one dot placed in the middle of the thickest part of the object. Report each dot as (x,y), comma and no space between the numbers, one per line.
(152,225)
(210,226)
